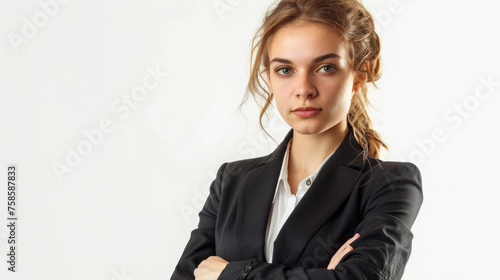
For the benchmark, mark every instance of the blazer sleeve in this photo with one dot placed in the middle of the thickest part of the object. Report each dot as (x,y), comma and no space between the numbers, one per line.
(390,207)
(201,244)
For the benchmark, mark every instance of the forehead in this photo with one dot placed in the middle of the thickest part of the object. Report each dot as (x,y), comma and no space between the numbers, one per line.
(305,40)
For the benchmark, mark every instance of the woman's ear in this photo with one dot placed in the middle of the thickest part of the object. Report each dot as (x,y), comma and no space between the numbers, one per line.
(359,80)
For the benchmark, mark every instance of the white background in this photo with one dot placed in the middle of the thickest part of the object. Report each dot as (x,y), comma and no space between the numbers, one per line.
(126,209)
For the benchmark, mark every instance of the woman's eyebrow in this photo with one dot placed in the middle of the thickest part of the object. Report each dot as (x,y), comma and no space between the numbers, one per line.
(317,59)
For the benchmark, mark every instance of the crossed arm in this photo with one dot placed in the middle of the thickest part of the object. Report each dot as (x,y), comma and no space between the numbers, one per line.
(212,267)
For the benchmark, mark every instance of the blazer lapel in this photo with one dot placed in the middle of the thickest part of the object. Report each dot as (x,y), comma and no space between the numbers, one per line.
(254,204)
(333,185)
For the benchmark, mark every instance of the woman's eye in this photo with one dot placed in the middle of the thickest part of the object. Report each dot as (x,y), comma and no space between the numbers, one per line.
(284,71)
(328,68)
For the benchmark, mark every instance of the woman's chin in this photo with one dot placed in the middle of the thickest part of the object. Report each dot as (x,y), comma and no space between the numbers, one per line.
(316,129)
(307,129)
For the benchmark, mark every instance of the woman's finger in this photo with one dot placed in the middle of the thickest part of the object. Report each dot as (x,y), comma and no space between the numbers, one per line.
(342,251)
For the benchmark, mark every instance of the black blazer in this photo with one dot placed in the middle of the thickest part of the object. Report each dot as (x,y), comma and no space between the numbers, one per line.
(379,200)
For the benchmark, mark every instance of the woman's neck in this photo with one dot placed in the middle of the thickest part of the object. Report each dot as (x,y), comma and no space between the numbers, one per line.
(309,151)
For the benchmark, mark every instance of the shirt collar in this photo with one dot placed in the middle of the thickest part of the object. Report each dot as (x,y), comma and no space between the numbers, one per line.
(284,170)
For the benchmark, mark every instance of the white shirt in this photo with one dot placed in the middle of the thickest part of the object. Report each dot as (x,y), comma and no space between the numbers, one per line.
(284,202)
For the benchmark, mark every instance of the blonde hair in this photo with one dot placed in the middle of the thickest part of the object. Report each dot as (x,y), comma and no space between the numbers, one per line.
(357,28)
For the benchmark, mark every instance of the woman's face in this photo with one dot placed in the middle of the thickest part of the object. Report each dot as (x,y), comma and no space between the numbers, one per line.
(310,78)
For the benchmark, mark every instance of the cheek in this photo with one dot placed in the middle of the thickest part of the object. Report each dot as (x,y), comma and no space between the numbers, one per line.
(340,82)
(280,103)
(345,99)
(340,106)
(281,93)
(279,86)
(340,101)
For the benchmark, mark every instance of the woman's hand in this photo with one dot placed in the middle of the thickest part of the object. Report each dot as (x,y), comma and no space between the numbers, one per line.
(210,269)
(341,252)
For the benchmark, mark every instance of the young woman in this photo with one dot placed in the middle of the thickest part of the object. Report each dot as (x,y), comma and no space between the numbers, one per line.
(321,206)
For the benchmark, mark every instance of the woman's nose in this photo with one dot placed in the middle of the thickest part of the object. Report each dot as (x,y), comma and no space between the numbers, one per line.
(305,86)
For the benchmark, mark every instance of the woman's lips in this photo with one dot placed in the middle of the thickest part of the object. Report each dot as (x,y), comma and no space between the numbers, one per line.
(306,112)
